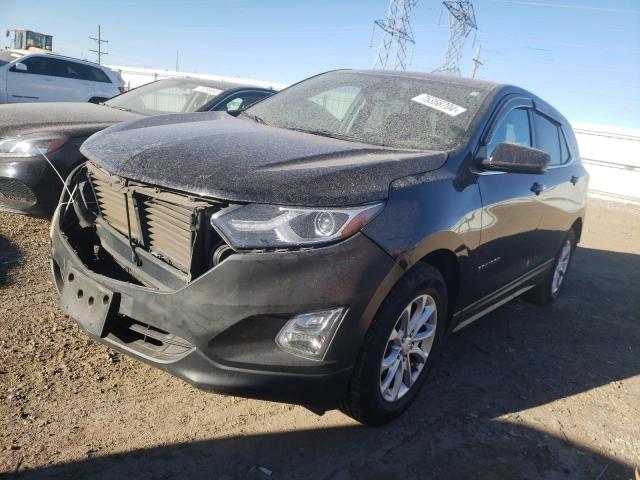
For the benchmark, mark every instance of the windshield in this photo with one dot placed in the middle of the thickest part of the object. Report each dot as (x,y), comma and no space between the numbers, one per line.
(7,57)
(394,111)
(166,96)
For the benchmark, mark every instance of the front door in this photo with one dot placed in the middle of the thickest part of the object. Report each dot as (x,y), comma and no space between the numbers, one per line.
(36,84)
(510,210)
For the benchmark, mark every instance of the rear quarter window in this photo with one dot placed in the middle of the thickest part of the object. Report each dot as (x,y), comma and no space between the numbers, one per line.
(98,75)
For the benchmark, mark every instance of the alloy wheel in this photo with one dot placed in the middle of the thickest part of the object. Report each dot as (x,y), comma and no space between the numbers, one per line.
(408,347)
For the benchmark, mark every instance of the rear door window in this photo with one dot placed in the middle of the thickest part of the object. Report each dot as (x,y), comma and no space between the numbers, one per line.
(513,128)
(66,69)
(78,71)
(548,139)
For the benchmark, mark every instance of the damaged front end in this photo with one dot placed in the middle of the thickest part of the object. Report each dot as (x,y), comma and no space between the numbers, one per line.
(141,269)
(168,239)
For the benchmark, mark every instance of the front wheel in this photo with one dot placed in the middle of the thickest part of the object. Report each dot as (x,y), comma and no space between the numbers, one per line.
(546,292)
(399,348)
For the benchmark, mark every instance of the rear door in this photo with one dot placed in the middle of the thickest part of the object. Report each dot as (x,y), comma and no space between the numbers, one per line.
(510,210)
(73,82)
(564,186)
(36,84)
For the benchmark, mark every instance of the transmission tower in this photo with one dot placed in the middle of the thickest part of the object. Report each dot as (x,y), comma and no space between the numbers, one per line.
(462,20)
(392,53)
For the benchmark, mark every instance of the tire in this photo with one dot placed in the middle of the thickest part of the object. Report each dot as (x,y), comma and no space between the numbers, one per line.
(547,292)
(365,400)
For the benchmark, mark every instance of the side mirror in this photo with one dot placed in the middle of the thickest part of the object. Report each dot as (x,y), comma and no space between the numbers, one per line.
(20,67)
(514,158)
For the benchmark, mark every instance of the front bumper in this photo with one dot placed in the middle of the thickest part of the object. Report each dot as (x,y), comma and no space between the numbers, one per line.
(218,331)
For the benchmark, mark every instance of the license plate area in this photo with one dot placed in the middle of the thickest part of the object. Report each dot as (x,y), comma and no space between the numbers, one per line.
(87,302)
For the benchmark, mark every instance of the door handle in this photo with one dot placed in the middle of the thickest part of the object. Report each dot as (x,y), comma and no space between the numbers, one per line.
(574,179)
(538,188)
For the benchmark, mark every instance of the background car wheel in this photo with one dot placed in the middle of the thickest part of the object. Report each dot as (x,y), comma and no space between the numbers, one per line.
(399,348)
(546,292)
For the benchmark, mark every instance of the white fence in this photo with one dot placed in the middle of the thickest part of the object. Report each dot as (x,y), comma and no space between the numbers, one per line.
(611,155)
(135,77)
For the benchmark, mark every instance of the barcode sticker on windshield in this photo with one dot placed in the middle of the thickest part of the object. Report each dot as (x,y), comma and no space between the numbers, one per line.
(439,104)
(210,90)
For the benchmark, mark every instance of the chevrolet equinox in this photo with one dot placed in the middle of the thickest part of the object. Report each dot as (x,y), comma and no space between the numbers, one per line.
(320,247)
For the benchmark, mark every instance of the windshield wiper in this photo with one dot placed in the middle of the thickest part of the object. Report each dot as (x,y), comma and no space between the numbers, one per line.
(255,118)
(119,108)
(326,133)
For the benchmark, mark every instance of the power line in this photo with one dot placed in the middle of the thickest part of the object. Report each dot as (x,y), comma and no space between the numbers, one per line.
(99,43)
(571,7)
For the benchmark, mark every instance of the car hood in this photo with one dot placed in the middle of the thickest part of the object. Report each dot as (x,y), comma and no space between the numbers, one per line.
(215,155)
(73,119)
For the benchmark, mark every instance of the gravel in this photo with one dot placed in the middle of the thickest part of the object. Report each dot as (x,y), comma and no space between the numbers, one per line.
(528,392)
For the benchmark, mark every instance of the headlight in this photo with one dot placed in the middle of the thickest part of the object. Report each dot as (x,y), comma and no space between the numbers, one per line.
(30,146)
(273,226)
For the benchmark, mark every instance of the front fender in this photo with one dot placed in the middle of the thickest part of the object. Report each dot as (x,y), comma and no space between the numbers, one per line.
(427,213)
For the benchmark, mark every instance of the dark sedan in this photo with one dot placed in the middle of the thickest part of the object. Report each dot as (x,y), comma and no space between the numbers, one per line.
(322,245)
(32,135)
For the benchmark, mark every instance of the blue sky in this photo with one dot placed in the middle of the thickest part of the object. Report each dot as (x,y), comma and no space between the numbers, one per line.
(583,56)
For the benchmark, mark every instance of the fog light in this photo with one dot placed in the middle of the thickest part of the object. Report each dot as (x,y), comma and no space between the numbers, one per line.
(310,334)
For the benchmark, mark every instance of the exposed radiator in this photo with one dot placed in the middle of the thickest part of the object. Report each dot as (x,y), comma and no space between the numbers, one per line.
(169,230)
(161,222)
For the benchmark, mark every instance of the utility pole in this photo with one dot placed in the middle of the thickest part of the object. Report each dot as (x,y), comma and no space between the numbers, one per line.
(99,42)
(462,19)
(397,33)
(476,62)
(177,60)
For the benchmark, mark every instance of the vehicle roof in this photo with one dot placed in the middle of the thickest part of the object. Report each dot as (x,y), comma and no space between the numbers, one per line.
(57,55)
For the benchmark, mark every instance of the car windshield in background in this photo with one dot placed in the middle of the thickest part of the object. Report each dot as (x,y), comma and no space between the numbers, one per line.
(397,112)
(7,57)
(166,96)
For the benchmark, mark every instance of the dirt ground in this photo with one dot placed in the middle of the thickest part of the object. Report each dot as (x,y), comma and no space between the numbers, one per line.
(528,392)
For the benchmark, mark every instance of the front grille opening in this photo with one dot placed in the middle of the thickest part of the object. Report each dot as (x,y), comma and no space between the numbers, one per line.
(172,227)
(148,340)
(86,244)
(14,193)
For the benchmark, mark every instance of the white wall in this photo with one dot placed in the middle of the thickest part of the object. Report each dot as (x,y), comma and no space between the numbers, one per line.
(135,77)
(611,155)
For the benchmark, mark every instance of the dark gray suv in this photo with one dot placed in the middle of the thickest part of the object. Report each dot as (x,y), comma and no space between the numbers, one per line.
(319,248)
